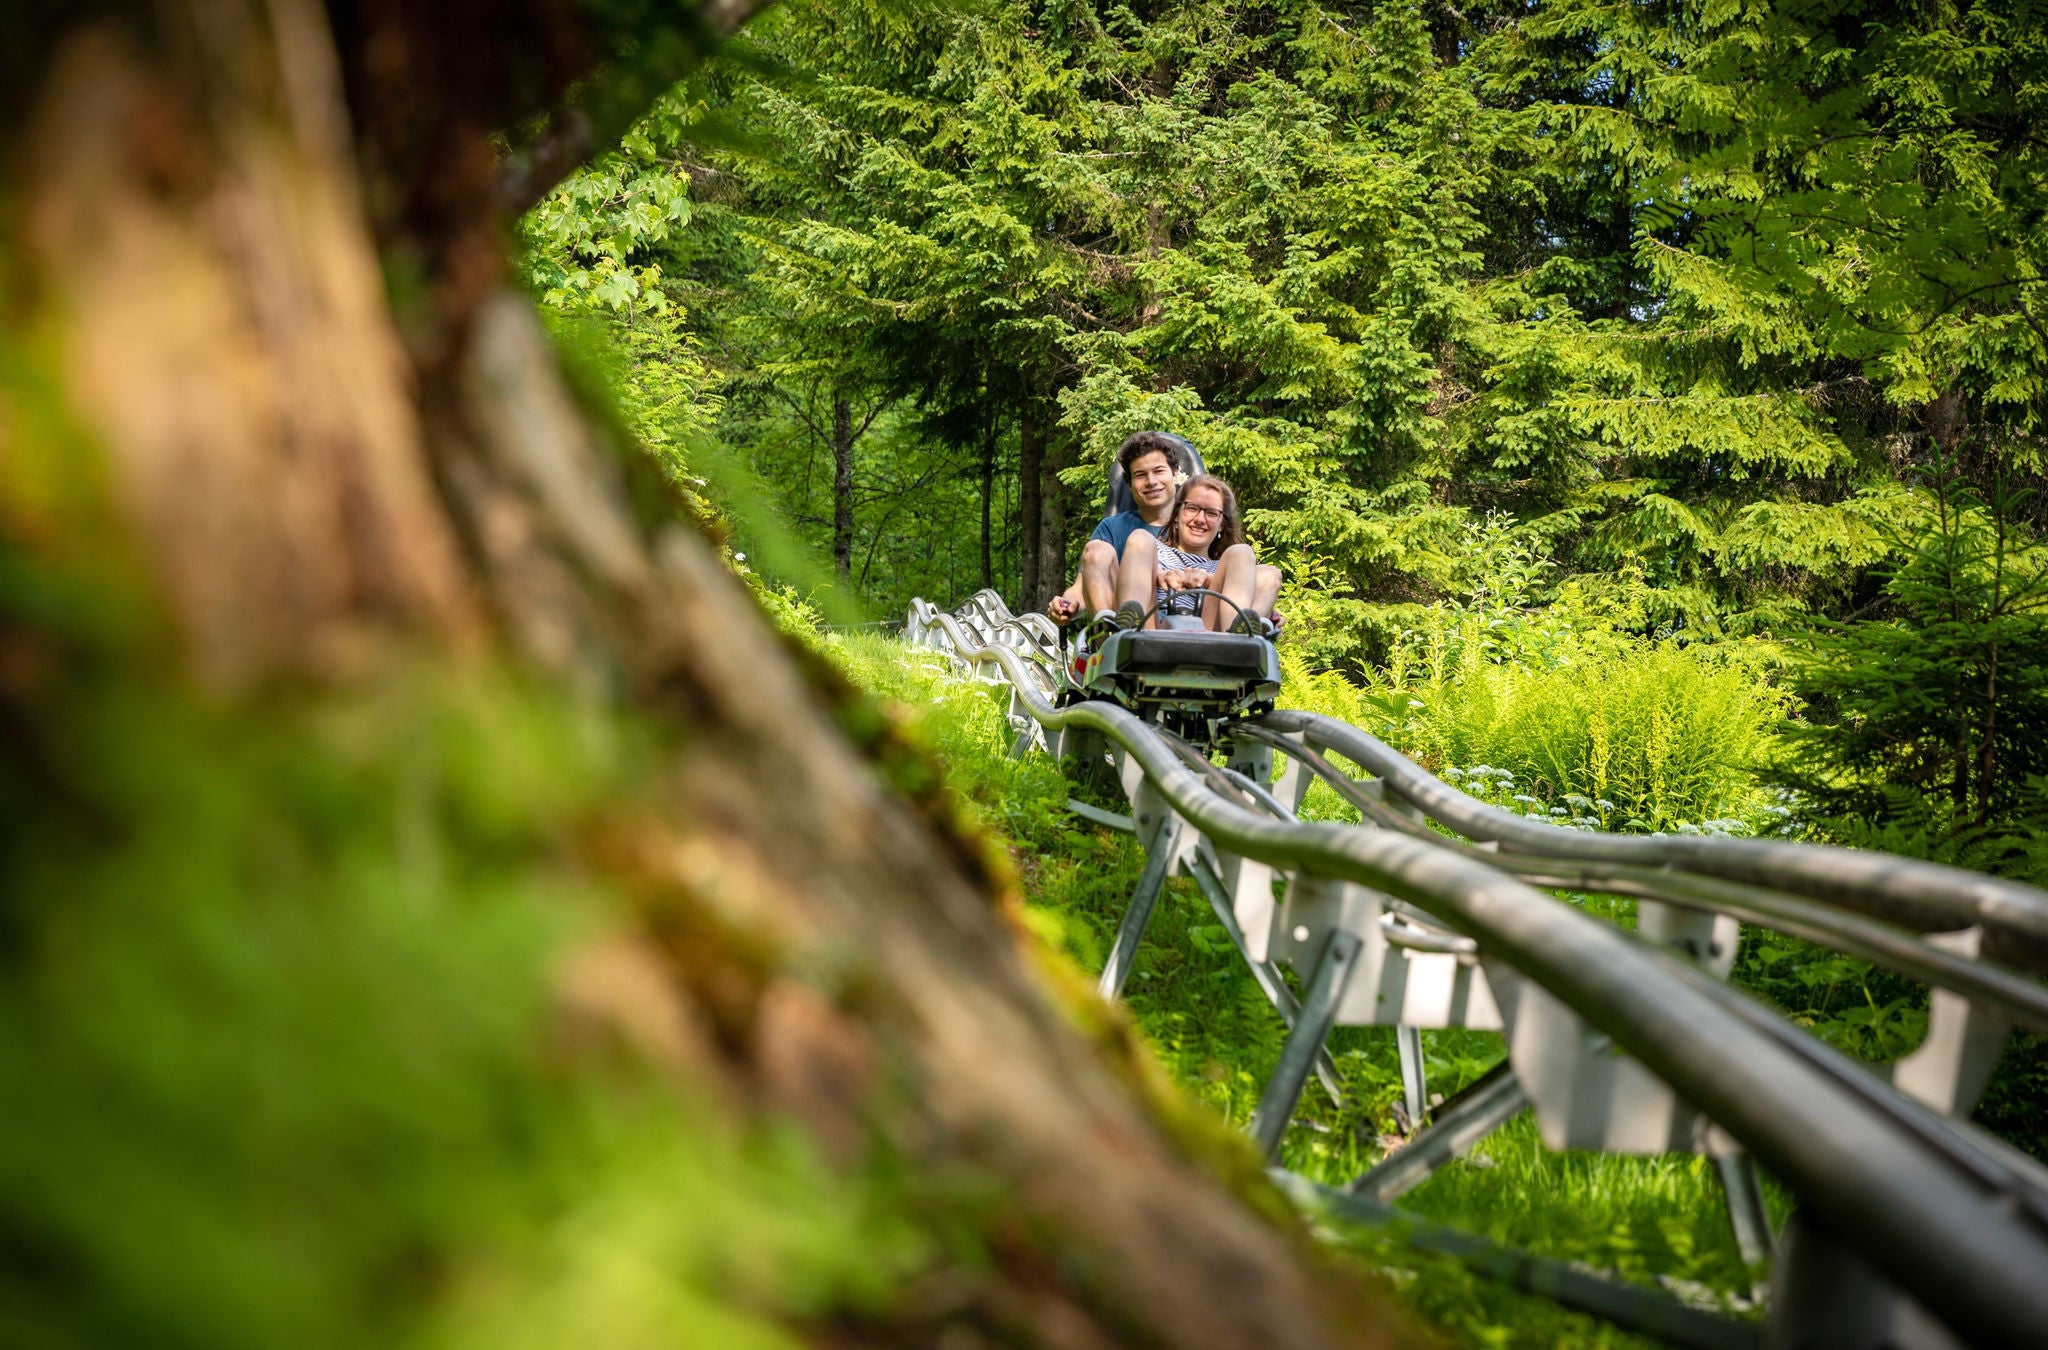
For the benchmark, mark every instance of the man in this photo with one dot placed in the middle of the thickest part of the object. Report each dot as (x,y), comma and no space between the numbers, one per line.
(1154,467)
(1151,463)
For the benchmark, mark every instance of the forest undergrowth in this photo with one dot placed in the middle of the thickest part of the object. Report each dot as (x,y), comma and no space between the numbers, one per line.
(1637,736)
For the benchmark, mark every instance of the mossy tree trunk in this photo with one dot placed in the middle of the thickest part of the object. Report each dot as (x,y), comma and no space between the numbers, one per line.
(262,241)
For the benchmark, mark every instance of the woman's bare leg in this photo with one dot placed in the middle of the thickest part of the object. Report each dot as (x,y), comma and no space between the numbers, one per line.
(1237,576)
(1137,572)
(1267,593)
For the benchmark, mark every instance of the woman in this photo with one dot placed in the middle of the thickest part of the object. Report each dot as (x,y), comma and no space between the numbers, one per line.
(1201,547)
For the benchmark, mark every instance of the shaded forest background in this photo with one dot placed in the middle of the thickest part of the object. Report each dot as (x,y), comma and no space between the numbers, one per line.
(1696,322)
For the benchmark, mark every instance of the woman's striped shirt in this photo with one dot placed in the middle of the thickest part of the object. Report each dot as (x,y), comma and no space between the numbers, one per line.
(1177,560)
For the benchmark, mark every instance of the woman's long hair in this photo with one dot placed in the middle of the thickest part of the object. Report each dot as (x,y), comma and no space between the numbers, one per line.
(1229,531)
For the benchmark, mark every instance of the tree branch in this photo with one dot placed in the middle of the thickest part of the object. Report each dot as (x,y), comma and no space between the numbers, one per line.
(573,139)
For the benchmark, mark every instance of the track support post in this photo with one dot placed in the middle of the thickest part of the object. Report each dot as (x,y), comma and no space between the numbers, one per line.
(1253,760)
(1463,1121)
(1414,1086)
(1299,1052)
(1084,757)
(1746,1213)
(1165,842)
(1029,735)
(1263,972)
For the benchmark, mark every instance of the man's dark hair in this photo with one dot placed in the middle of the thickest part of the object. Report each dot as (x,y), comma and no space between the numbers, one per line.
(1146,443)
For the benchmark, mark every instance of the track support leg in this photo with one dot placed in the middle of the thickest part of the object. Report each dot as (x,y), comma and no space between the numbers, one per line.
(1414,1087)
(1268,977)
(1125,953)
(1305,1042)
(1253,760)
(1461,1122)
(1746,1214)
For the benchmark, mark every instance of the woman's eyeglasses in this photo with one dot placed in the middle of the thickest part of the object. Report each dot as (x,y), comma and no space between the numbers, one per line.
(1205,512)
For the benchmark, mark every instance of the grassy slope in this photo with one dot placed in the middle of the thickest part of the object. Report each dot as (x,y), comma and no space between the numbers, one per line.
(1209,1024)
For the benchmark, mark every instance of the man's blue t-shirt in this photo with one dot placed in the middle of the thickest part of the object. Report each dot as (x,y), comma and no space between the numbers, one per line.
(1116,530)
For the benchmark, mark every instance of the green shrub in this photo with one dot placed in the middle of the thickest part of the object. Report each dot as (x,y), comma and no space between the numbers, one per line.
(1667,734)
(1943,688)
(1649,735)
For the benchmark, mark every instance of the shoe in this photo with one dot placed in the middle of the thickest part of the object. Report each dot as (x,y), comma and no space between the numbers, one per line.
(1130,614)
(1251,624)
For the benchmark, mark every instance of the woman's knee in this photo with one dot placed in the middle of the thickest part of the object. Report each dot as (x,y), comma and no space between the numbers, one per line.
(1239,557)
(1141,545)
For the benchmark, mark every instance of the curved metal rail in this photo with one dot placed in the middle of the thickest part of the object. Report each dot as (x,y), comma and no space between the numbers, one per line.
(1546,855)
(1927,897)
(1946,1213)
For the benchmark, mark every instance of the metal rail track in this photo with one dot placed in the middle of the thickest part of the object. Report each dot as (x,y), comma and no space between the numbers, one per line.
(1913,1228)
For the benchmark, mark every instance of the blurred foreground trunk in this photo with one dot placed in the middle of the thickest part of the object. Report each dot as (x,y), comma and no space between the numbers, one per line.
(336,437)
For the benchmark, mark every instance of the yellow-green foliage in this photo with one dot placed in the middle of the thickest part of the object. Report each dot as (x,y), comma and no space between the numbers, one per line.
(1668,734)
(1663,734)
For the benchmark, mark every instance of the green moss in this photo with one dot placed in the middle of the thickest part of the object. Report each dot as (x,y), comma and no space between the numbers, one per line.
(282,1061)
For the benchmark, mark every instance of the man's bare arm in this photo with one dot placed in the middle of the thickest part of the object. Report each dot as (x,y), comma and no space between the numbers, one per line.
(1064,606)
